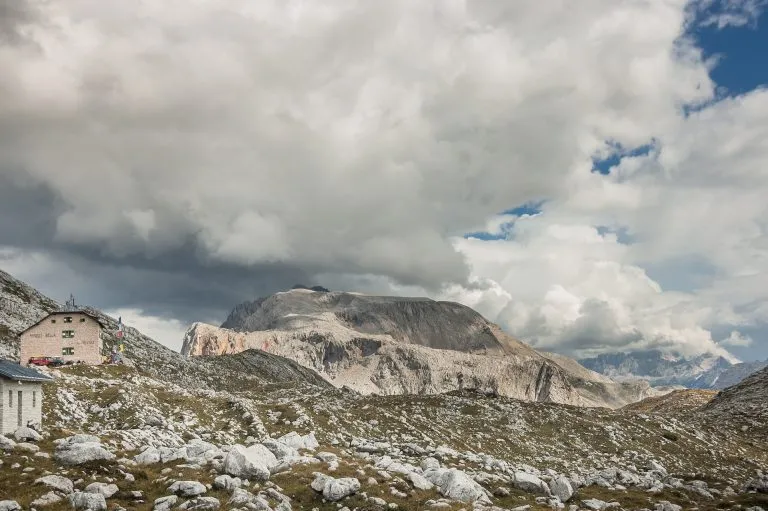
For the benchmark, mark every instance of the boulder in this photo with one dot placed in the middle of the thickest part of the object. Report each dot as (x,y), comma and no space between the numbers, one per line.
(280,450)
(45,500)
(103,488)
(226,482)
(148,456)
(25,434)
(201,504)
(293,439)
(254,462)
(187,488)
(594,504)
(6,444)
(531,483)
(197,448)
(9,505)
(420,482)
(457,485)
(80,449)
(240,497)
(336,489)
(82,438)
(165,503)
(665,505)
(26,446)
(429,464)
(57,483)
(89,501)
(318,483)
(561,488)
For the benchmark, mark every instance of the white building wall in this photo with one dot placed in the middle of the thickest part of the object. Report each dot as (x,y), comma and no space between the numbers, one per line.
(31,405)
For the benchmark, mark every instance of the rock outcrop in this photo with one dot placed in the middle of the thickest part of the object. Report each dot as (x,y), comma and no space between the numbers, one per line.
(392,345)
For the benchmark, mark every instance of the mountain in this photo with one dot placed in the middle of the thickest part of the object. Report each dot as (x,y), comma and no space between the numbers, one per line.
(736,373)
(747,401)
(254,430)
(662,369)
(397,345)
(20,307)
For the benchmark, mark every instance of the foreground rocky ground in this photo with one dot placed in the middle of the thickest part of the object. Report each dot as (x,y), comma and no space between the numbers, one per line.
(242,432)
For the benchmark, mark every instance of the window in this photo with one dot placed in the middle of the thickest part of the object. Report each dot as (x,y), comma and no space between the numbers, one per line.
(53,321)
(68,319)
(82,320)
(34,398)
(67,351)
(67,334)
(10,399)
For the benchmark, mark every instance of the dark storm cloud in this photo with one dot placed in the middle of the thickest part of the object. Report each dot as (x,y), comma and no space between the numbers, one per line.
(175,285)
(14,14)
(28,212)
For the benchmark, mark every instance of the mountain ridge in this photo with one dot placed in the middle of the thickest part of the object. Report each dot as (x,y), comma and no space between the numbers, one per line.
(706,371)
(401,345)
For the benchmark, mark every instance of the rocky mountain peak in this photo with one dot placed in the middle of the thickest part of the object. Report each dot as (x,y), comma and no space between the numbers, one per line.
(403,345)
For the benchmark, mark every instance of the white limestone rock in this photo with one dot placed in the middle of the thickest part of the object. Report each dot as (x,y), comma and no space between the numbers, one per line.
(254,462)
(241,497)
(6,444)
(46,500)
(148,456)
(79,449)
(457,485)
(561,488)
(293,439)
(280,450)
(594,504)
(106,489)
(337,489)
(9,505)
(25,434)
(165,503)
(57,483)
(420,482)
(530,483)
(187,488)
(89,501)
(201,504)
(227,482)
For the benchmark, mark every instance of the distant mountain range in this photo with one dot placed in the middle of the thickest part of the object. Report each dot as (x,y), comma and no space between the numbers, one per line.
(662,369)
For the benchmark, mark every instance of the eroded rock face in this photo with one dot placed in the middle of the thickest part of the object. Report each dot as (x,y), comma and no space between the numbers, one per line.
(389,345)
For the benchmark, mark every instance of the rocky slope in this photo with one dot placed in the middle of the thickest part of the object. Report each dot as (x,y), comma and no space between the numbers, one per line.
(675,403)
(256,431)
(747,400)
(392,345)
(271,443)
(20,307)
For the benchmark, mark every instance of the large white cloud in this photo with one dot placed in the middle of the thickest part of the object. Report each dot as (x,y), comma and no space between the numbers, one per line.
(357,140)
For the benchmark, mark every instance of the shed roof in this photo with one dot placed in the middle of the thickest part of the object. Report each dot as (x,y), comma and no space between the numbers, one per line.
(16,372)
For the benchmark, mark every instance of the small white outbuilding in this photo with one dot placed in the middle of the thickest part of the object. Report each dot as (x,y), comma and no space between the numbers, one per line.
(21,396)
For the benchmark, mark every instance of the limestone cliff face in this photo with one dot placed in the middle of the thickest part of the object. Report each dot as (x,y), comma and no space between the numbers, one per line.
(388,345)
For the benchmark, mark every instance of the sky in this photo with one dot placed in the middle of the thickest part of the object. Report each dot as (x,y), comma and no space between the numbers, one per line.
(591,176)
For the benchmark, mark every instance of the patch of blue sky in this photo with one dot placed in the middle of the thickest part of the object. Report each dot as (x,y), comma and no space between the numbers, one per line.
(506,229)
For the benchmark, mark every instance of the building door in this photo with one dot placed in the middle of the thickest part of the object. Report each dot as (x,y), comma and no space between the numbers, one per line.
(19,405)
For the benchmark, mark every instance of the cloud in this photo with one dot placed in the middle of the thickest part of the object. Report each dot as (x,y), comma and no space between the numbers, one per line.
(169,332)
(737,339)
(174,159)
